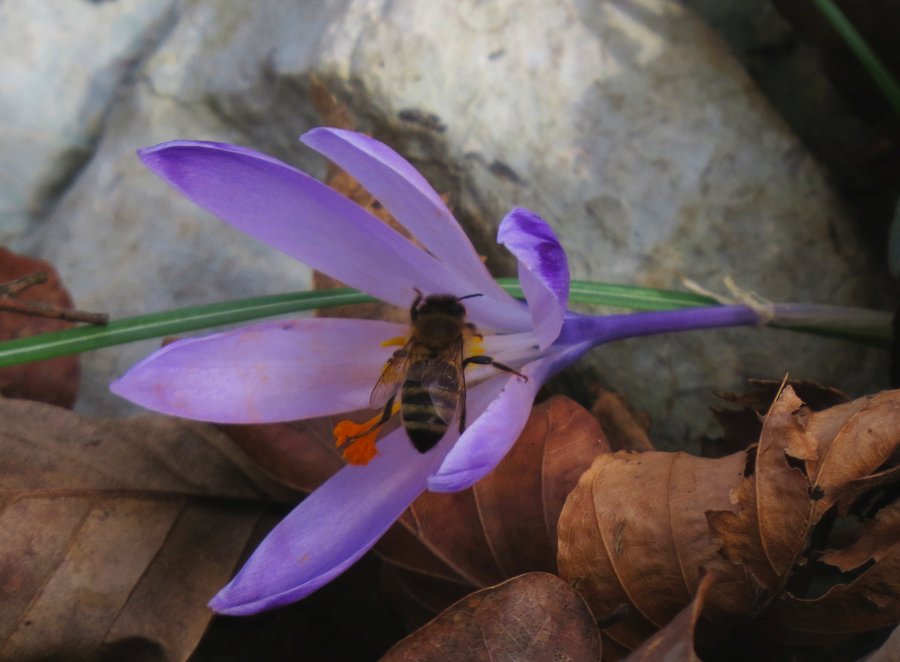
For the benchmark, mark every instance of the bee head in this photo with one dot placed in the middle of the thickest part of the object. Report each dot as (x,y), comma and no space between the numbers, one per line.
(442,304)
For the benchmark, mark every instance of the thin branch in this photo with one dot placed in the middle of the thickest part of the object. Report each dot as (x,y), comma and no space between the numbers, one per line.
(13,287)
(38,309)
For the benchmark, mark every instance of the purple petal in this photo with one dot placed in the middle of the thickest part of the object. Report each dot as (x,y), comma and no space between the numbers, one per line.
(543,270)
(299,215)
(275,371)
(502,406)
(502,409)
(331,528)
(418,207)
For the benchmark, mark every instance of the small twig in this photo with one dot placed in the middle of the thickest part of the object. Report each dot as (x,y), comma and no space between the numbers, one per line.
(38,309)
(13,287)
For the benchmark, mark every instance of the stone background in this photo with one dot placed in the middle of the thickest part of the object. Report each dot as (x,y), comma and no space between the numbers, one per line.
(631,125)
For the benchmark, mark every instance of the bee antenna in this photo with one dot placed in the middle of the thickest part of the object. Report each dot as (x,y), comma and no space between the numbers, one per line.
(470,296)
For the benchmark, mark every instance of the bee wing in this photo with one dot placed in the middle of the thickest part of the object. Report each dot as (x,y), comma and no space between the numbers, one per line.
(391,377)
(445,373)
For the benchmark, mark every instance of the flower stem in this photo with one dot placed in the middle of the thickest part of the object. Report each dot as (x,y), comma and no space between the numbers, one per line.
(606,328)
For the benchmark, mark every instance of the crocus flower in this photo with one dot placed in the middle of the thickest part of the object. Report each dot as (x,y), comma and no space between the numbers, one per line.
(289,370)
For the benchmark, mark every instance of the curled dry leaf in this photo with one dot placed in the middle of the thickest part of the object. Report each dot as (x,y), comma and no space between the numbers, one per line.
(54,381)
(868,602)
(742,423)
(118,531)
(536,616)
(638,528)
(634,531)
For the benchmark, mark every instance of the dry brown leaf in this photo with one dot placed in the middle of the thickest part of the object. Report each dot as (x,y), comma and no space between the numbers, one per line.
(638,528)
(805,463)
(118,530)
(869,602)
(634,531)
(868,435)
(768,528)
(743,424)
(675,642)
(446,545)
(876,541)
(532,617)
(625,428)
(300,454)
(819,459)
(54,381)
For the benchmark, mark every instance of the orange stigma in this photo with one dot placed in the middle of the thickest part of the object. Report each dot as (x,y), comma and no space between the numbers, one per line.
(357,440)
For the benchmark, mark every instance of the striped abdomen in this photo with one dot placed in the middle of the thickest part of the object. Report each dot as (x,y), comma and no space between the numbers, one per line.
(429,399)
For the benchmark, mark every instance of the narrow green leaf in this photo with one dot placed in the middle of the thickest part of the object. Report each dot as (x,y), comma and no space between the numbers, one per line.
(621,296)
(184,320)
(171,322)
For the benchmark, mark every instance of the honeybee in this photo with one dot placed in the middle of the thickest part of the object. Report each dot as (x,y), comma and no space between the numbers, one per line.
(428,373)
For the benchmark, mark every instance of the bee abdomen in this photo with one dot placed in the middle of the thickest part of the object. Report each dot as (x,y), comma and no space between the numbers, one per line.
(427,412)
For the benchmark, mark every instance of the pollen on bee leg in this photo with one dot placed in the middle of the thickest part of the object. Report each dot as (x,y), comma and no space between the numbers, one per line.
(357,440)
(474,344)
(362,450)
(396,341)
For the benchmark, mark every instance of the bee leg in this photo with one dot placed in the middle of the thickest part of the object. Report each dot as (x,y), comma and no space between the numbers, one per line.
(387,412)
(487,360)
(462,416)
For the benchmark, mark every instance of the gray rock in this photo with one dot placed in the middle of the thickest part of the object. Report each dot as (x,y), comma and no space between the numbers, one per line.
(626,124)
(790,73)
(62,64)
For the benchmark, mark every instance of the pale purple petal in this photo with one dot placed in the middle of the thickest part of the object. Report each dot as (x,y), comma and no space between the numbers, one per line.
(269,372)
(332,528)
(543,270)
(488,437)
(502,407)
(418,207)
(299,215)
